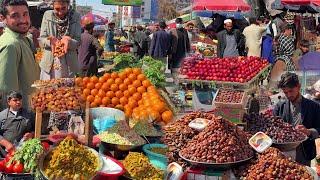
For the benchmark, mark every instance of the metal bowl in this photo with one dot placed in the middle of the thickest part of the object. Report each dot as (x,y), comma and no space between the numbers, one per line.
(288,146)
(216,166)
(45,156)
(118,147)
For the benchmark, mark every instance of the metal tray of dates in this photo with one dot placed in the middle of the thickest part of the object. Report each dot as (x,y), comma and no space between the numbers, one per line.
(216,166)
(288,146)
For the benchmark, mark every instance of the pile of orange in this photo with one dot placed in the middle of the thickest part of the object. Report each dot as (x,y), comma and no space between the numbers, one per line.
(129,91)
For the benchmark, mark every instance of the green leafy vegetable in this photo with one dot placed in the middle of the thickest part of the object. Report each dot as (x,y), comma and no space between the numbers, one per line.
(28,155)
(123,61)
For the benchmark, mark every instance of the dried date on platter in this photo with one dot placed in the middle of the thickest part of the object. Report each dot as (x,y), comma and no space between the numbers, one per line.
(220,142)
(178,133)
(272,164)
(278,130)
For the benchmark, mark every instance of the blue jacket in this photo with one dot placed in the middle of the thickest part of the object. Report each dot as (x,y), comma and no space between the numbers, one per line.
(310,113)
(160,44)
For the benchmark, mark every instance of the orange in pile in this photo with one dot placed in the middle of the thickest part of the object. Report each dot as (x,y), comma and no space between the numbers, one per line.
(129,91)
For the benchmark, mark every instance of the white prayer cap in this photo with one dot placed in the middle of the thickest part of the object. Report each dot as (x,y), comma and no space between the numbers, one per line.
(227,21)
(2,25)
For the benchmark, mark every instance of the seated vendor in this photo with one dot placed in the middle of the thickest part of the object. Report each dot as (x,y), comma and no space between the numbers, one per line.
(302,113)
(16,122)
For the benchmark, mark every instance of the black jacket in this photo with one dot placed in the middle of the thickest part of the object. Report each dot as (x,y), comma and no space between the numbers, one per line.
(240,39)
(310,113)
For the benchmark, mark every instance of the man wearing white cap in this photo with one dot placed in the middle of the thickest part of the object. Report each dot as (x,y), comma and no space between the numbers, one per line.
(230,41)
(2,26)
(253,34)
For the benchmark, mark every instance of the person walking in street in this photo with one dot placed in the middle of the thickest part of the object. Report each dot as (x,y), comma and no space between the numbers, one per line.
(88,51)
(302,113)
(16,122)
(138,42)
(286,47)
(267,40)
(230,41)
(60,24)
(160,43)
(180,44)
(109,38)
(253,105)
(18,67)
(253,35)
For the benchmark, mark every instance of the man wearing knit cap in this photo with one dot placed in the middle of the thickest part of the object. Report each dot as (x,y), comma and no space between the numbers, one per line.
(230,41)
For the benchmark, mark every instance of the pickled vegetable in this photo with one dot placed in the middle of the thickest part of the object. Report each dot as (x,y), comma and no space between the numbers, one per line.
(139,167)
(71,160)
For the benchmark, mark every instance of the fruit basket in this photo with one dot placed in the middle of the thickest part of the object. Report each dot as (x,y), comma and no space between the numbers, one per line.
(230,98)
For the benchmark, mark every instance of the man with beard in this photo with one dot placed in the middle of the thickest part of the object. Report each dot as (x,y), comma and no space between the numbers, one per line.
(302,113)
(230,41)
(18,68)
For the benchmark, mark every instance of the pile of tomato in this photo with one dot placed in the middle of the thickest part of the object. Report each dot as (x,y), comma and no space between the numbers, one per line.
(129,91)
(14,167)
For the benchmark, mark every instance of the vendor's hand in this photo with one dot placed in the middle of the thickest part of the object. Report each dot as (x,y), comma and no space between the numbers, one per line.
(53,42)
(28,136)
(303,129)
(65,40)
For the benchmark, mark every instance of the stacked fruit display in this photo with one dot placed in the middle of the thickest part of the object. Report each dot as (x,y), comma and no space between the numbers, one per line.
(57,99)
(237,69)
(129,91)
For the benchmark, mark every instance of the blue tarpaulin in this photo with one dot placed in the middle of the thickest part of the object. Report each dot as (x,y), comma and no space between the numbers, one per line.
(310,61)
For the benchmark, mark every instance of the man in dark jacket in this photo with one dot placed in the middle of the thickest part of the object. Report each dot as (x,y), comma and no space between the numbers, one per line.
(88,50)
(138,42)
(160,43)
(231,42)
(302,113)
(15,122)
(180,44)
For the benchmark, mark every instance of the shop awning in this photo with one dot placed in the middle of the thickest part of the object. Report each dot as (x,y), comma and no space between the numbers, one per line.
(221,5)
(301,6)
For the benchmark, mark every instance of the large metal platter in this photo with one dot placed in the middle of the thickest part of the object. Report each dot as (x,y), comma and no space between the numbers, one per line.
(216,166)
(44,156)
(288,146)
(118,147)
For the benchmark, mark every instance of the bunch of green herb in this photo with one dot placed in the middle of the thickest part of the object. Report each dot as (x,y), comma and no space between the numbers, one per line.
(123,61)
(154,70)
(28,154)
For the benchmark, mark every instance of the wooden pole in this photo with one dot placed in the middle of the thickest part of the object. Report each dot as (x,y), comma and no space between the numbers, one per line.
(38,124)
(88,126)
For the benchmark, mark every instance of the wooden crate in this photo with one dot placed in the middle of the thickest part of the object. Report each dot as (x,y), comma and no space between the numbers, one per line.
(242,104)
(234,115)
(87,120)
